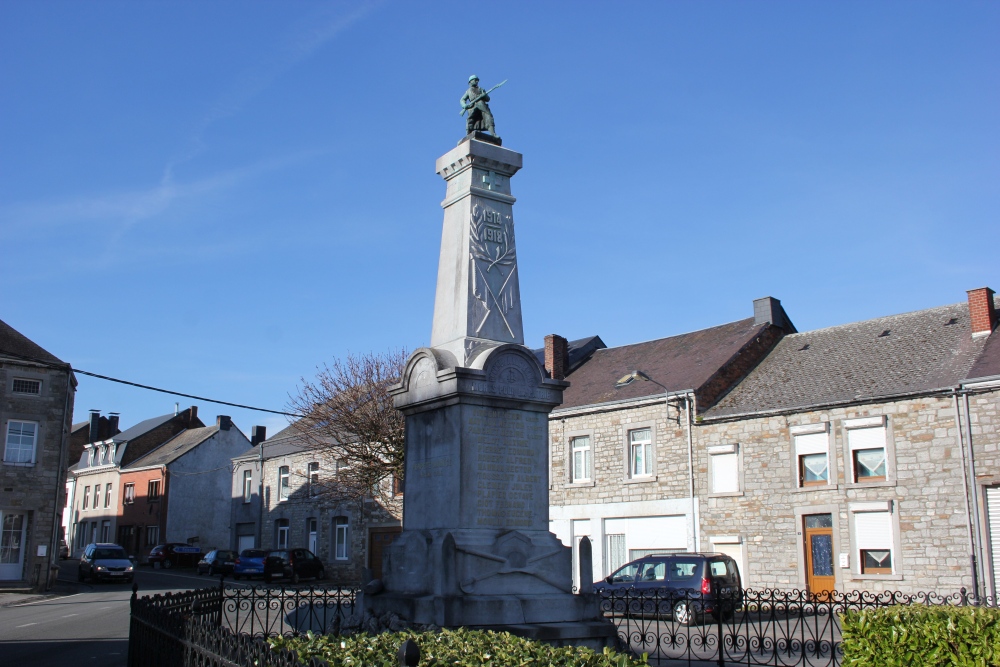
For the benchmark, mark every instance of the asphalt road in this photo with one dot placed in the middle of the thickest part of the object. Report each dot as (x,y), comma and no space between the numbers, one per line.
(84,629)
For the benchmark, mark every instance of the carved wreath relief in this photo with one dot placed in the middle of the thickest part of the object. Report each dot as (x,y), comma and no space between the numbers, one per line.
(494,263)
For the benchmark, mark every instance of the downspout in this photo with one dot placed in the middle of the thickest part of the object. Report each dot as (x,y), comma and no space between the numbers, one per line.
(977,542)
(260,500)
(968,504)
(688,407)
(60,478)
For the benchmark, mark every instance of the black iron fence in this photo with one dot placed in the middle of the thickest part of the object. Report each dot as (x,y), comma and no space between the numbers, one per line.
(765,627)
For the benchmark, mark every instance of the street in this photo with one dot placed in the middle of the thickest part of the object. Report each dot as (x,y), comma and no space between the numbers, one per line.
(83,629)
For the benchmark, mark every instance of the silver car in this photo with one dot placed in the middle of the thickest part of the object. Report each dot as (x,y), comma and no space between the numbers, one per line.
(105,561)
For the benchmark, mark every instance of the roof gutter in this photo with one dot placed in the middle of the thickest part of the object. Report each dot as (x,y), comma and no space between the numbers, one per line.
(611,406)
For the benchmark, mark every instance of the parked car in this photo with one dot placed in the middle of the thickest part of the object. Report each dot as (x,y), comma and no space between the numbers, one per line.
(63,549)
(250,563)
(292,564)
(217,560)
(174,553)
(105,561)
(685,586)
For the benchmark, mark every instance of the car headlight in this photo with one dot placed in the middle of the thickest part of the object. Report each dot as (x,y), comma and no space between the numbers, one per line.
(128,569)
(101,568)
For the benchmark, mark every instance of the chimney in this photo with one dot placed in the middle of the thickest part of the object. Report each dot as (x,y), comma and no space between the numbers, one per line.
(258,434)
(95,425)
(224,422)
(982,312)
(768,310)
(113,429)
(192,416)
(556,356)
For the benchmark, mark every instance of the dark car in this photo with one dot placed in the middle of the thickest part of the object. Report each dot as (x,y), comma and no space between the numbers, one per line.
(685,586)
(217,561)
(174,553)
(105,561)
(292,564)
(249,564)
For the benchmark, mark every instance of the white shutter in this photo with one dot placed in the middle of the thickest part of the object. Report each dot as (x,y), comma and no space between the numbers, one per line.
(872,530)
(812,443)
(725,473)
(866,438)
(993,518)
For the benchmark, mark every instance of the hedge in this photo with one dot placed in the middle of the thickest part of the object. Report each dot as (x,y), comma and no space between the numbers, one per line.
(913,635)
(455,648)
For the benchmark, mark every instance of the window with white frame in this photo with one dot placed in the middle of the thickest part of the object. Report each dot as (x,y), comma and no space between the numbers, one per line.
(313,478)
(86,497)
(282,527)
(20,444)
(873,542)
(106,531)
(866,439)
(283,483)
(152,535)
(340,526)
(640,443)
(812,454)
(107,495)
(153,490)
(25,386)
(582,458)
(129,493)
(247,485)
(724,468)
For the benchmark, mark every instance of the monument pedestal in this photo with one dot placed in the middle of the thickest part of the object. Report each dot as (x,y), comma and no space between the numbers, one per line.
(476,550)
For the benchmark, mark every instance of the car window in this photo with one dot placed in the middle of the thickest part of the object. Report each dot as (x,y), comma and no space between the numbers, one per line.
(625,574)
(653,571)
(719,568)
(107,554)
(683,569)
(253,553)
(225,555)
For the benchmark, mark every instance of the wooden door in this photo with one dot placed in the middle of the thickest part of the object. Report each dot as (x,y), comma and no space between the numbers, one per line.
(819,553)
(378,540)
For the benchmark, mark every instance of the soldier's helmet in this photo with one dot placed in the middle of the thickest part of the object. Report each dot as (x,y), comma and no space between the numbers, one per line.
(473,78)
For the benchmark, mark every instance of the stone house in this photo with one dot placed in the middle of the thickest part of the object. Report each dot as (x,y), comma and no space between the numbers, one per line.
(841,459)
(174,492)
(37,391)
(95,503)
(284,496)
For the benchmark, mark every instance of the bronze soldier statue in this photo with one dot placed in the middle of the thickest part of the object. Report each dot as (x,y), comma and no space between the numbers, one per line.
(475,102)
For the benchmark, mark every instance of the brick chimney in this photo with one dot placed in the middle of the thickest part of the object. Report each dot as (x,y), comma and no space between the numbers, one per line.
(982,311)
(95,425)
(258,434)
(556,356)
(224,422)
(113,429)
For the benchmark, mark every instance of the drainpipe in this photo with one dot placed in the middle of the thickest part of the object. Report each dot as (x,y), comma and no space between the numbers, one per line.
(968,503)
(60,480)
(260,501)
(977,543)
(688,408)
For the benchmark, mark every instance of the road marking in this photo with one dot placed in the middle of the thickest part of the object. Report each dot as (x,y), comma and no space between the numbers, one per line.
(52,599)
(68,615)
(99,609)
(26,625)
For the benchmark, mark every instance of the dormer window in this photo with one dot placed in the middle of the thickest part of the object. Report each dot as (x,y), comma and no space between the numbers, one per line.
(93,455)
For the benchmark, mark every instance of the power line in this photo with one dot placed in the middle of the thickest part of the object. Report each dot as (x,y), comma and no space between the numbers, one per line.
(68,367)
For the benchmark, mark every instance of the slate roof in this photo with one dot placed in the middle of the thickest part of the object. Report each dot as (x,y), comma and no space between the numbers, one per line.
(681,362)
(284,442)
(142,427)
(880,358)
(176,447)
(12,341)
(578,351)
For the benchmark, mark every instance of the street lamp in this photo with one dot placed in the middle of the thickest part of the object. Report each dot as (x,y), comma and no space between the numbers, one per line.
(628,379)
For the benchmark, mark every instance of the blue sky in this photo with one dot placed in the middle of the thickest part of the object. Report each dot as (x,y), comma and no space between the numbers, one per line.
(217,197)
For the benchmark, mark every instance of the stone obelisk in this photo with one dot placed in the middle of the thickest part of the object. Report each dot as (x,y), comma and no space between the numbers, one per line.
(476,549)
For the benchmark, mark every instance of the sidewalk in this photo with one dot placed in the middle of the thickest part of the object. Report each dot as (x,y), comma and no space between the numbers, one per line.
(65,585)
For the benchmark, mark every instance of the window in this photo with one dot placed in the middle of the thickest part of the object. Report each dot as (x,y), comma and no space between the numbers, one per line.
(93,456)
(152,536)
(340,538)
(106,531)
(86,497)
(21,438)
(616,550)
(581,452)
(312,533)
(23,386)
(873,540)
(812,455)
(724,468)
(247,485)
(866,442)
(153,492)
(107,495)
(283,483)
(282,528)
(641,452)
(129,493)
(313,478)
(398,486)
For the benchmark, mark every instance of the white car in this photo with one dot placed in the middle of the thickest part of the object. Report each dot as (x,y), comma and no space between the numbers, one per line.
(105,561)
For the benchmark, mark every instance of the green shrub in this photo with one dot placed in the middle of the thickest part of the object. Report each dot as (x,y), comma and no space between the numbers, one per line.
(458,648)
(919,636)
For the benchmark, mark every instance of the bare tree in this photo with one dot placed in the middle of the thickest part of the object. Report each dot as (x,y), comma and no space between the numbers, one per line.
(349,419)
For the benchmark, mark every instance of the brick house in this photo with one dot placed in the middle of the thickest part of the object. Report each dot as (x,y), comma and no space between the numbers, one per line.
(173,493)
(94,480)
(840,460)
(37,391)
(301,509)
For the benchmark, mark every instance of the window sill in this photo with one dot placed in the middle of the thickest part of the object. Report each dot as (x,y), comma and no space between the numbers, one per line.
(19,465)
(640,480)
(875,577)
(870,485)
(730,494)
(818,487)
(579,485)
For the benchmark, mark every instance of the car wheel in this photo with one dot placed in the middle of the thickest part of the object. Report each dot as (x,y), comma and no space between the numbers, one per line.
(167,564)
(683,613)
(79,576)
(211,570)
(321,574)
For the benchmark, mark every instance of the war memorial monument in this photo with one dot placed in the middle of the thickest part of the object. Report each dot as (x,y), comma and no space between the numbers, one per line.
(475,549)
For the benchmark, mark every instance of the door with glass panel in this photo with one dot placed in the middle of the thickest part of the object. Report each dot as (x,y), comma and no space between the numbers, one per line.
(819,553)
(12,529)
